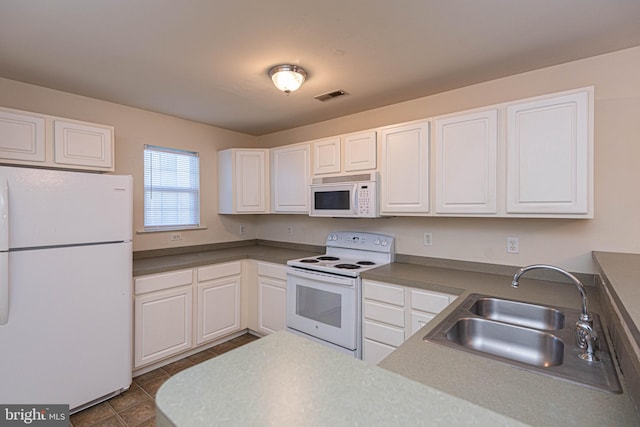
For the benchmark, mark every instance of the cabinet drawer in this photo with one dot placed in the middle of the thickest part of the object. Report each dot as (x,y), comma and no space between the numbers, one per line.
(374,352)
(431,302)
(157,282)
(217,271)
(384,313)
(384,334)
(384,293)
(272,270)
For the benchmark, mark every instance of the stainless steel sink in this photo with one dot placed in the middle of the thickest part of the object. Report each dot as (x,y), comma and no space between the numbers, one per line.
(518,313)
(524,345)
(532,337)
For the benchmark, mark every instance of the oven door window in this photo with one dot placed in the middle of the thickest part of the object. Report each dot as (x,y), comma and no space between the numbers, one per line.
(324,306)
(319,305)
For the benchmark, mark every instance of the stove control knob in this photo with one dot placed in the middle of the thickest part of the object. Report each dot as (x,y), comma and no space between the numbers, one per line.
(384,243)
(377,242)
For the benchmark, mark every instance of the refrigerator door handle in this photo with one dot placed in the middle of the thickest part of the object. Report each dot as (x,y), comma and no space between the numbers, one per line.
(4,288)
(4,214)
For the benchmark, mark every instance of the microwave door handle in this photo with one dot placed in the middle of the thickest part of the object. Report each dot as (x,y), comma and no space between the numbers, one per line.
(355,198)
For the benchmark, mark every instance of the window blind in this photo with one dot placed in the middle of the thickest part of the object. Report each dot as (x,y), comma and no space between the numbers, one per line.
(171,188)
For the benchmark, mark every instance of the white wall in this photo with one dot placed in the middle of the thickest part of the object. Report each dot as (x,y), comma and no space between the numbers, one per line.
(567,243)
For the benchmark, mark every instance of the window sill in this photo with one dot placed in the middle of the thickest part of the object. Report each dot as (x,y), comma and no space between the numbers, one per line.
(166,230)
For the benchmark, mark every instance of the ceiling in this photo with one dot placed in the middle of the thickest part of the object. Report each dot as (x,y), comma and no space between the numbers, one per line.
(207,60)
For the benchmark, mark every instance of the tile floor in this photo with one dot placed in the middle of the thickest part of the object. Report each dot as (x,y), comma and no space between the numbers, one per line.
(136,406)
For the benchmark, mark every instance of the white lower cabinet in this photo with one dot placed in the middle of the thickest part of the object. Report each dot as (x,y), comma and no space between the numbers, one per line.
(179,310)
(392,313)
(218,301)
(425,305)
(383,324)
(272,297)
(163,316)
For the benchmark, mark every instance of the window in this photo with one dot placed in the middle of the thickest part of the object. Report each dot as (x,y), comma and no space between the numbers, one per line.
(171,188)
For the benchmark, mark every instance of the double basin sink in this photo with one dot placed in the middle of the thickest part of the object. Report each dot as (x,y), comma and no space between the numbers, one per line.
(532,337)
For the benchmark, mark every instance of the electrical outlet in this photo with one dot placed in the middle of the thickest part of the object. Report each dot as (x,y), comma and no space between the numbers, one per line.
(242,229)
(513,245)
(175,237)
(290,230)
(428,239)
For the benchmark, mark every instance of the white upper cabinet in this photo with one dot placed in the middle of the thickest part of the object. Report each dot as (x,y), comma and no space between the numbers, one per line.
(326,156)
(466,149)
(83,145)
(360,151)
(243,176)
(405,169)
(344,154)
(47,141)
(21,136)
(550,155)
(290,179)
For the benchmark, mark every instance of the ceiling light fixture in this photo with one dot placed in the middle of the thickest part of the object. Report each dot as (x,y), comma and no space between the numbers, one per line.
(288,78)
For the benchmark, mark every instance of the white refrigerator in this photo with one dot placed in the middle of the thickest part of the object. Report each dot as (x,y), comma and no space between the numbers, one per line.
(65,286)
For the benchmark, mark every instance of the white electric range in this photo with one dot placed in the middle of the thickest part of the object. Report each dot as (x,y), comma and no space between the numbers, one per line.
(324,292)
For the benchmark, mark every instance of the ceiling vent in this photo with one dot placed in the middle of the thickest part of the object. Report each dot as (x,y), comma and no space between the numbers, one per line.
(330,95)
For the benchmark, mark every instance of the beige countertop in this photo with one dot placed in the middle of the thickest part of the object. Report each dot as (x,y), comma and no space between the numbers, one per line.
(285,380)
(622,272)
(244,250)
(525,396)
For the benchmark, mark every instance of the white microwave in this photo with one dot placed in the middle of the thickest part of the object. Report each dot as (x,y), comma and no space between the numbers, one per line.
(351,196)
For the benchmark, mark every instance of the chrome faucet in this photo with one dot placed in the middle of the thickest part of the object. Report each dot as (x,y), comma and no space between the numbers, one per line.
(586,337)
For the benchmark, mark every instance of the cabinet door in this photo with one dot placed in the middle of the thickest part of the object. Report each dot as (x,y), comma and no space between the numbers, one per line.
(418,320)
(466,163)
(326,156)
(360,151)
(549,155)
(290,177)
(250,185)
(162,324)
(21,136)
(405,169)
(272,300)
(83,145)
(218,308)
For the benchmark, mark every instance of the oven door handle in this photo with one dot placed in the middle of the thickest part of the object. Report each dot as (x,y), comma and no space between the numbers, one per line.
(332,279)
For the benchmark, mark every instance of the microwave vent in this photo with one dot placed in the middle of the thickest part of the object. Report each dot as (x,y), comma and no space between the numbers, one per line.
(330,95)
(344,178)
